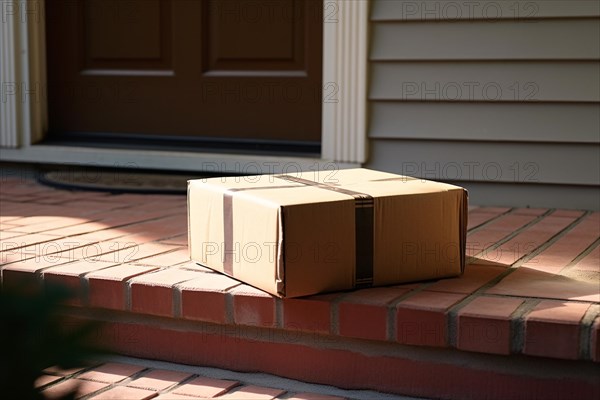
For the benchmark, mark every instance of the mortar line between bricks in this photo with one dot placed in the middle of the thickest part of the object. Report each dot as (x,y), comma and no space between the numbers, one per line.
(181,264)
(97,392)
(126,299)
(452,320)
(229,307)
(178,384)
(162,253)
(452,326)
(37,274)
(509,237)
(513,296)
(96,364)
(279,323)
(517,264)
(184,266)
(179,290)
(517,325)
(177,312)
(490,221)
(128,282)
(95,220)
(75,376)
(174,236)
(44,231)
(334,314)
(60,379)
(112,385)
(126,237)
(152,219)
(290,395)
(12,238)
(95,257)
(453,312)
(85,283)
(543,246)
(392,329)
(85,290)
(140,260)
(71,376)
(392,318)
(176,296)
(24,245)
(130,378)
(66,251)
(74,236)
(585,326)
(175,385)
(581,256)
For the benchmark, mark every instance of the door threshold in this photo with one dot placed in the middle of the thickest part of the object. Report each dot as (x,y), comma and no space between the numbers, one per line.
(169,160)
(204,144)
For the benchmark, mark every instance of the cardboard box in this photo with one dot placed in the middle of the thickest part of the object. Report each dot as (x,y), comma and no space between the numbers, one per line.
(327,231)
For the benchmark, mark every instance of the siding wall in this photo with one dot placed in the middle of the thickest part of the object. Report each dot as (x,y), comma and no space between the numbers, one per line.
(502,97)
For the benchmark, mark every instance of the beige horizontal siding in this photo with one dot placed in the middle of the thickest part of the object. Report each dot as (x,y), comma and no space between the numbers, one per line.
(501,96)
(540,195)
(486,121)
(525,163)
(408,10)
(561,39)
(486,81)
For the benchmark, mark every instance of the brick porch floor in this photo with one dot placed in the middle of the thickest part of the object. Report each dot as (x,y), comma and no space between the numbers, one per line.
(123,378)
(530,293)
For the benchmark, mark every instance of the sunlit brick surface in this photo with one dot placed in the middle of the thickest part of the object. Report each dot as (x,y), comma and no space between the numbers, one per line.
(532,288)
(134,382)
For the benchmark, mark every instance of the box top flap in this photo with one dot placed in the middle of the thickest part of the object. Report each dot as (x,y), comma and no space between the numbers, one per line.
(321,186)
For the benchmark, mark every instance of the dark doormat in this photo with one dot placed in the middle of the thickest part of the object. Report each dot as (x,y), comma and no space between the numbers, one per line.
(118,181)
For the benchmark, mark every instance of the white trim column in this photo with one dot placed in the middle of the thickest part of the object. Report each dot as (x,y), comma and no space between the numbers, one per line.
(36,59)
(22,72)
(9,74)
(344,127)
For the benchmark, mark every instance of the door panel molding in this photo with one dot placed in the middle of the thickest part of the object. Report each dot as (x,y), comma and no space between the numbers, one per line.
(127,72)
(142,29)
(344,105)
(278,47)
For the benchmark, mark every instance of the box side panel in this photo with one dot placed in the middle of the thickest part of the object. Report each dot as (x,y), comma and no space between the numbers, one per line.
(255,243)
(205,219)
(233,233)
(189,224)
(319,247)
(418,237)
(464,219)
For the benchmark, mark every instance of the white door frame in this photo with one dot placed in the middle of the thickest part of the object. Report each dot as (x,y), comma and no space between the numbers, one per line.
(23,118)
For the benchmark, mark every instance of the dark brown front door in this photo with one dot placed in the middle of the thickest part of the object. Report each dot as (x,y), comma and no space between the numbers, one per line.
(224,69)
